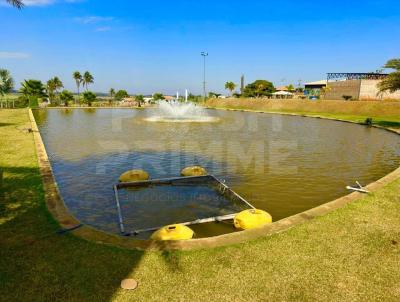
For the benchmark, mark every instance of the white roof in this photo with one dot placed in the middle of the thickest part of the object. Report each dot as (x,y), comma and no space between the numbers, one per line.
(322,82)
(282,93)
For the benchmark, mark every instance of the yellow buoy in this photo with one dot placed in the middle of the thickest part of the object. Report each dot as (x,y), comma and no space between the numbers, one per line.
(134,175)
(173,232)
(194,171)
(250,219)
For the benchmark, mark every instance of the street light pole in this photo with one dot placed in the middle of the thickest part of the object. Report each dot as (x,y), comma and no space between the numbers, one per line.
(204,54)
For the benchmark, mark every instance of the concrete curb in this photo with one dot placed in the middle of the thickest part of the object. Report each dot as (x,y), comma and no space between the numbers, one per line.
(58,209)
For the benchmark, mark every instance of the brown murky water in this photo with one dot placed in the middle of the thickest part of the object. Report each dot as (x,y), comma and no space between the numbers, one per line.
(282,164)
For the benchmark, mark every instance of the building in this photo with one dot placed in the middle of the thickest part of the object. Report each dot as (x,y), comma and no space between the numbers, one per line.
(318,85)
(282,88)
(356,86)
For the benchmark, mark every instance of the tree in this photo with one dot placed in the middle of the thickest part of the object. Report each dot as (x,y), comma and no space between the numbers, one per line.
(290,88)
(230,86)
(392,82)
(66,97)
(78,80)
(52,87)
(158,96)
(89,97)
(139,98)
(16,3)
(121,94)
(112,93)
(87,79)
(33,90)
(259,88)
(213,94)
(6,82)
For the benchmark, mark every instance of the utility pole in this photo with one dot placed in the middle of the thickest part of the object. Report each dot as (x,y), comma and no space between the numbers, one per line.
(204,54)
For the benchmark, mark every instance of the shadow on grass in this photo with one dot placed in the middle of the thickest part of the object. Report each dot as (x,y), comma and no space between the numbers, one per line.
(6,124)
(37,263)
(390,124)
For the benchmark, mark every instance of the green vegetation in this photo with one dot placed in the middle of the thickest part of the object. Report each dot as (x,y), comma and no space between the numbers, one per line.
(158,96)
(52,88)
(385,114)
(348,255)
(140,99)
(6,82)
(230,86)
(33,90)
(120,95)
(89,97)
(66,97)
(392,82)
(87,79)
(259,88)
(78,80)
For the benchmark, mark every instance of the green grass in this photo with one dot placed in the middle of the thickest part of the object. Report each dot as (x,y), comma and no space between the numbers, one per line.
(383,113)
(352,254)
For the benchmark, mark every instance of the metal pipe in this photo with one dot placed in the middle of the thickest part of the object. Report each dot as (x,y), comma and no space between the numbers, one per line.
(120,220)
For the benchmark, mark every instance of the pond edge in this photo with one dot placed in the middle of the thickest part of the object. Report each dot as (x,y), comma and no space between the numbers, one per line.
(67,221)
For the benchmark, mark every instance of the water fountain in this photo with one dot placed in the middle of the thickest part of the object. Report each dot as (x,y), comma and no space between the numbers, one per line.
(180,112)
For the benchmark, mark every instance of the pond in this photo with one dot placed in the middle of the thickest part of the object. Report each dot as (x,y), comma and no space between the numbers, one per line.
(281,164)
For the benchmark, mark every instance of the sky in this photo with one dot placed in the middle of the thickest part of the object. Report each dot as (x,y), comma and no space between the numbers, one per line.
(155,46)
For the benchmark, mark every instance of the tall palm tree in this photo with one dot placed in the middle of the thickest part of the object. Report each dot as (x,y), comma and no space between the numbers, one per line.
(6,82)
(112,93)
(230,86)
(52,87)
(16,3)
(78,80)
(57,84)
(87,79)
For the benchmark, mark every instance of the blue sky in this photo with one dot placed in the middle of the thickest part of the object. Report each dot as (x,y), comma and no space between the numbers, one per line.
(148,46)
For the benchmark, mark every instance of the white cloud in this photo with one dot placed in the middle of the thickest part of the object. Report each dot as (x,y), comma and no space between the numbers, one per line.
(103,28)
(93,19)
(38,2)
(14,55)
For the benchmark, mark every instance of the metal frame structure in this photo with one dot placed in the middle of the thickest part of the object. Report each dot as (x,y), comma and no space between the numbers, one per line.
(336,76)
(223,189)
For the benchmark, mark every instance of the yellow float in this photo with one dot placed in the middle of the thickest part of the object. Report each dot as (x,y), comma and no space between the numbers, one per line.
(194,171)
(250,219)
(134,175)
(173,232)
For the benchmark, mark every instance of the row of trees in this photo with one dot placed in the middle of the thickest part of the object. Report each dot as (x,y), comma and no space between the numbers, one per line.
(256,89)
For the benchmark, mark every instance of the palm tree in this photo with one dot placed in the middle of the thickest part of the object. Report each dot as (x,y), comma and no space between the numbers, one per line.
(6,82)
(230,86)
(32,90)
(52,87)
(87,79)
(78,80)
(16,3)
(112,93)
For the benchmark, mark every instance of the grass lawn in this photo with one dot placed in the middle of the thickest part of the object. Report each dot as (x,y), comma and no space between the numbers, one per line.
(352,254)
(384,114)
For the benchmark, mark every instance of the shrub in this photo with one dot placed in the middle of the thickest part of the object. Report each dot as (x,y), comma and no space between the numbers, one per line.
(368,121)
(89,97)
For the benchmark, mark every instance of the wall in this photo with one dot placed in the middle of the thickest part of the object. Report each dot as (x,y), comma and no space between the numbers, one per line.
(338,89)
(369,90)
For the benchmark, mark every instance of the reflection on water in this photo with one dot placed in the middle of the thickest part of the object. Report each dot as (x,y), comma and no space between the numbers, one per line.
(283,164)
